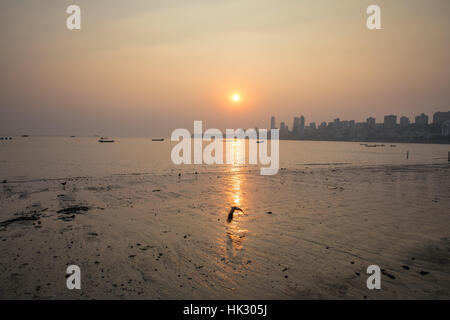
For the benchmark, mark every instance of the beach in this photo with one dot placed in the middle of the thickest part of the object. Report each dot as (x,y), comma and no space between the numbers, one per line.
(306,233)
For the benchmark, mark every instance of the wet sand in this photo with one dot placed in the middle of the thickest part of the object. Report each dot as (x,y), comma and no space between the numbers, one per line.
(305,234)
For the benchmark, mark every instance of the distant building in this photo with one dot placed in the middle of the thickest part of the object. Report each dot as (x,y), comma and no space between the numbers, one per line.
(370,122)
(284,130)
(446,128)
(439,117)
(272,123)
(296,125)
(323,125)
(351,123)
(404,121)
(422,120)
(302,123)
(336,122)
(390,121)
(312,125)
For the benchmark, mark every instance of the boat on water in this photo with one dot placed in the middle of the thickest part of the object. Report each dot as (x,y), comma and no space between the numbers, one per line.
(157,139)
(105,140)
(372,145)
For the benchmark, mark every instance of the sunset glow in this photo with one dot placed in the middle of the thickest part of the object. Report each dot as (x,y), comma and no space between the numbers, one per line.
(236,98)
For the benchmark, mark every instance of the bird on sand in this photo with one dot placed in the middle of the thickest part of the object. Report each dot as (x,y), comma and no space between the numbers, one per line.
(233,209)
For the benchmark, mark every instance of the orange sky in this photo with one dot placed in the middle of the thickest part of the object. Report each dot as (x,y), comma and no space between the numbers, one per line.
(140,68)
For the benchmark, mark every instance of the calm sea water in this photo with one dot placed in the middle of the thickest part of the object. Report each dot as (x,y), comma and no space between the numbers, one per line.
(60,157)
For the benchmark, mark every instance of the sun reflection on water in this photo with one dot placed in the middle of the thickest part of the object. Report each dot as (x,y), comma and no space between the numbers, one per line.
(235,232)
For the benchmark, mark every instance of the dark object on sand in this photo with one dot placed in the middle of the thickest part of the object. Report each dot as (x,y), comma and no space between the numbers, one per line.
(64,183)
(230,215)
(387,274)
(424,273)
(74,209)
(269,212)
(156,190)
(4,181)
(33,217)
(179,174)
(158,139)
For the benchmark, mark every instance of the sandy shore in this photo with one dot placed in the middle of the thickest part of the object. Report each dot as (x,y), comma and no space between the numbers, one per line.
(305,234)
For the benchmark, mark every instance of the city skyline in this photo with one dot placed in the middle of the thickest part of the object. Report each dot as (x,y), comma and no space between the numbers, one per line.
(404,130)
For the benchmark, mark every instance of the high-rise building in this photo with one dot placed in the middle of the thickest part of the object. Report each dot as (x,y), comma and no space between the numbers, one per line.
(370,122)
(390,121)
(439,117)
(422,120)
(283,129)
(272,123)
(404,121)
(296,125)
(446,128)
(336,123)
(302,126)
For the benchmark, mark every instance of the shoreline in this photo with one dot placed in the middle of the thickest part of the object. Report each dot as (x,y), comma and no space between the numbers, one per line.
(166,237)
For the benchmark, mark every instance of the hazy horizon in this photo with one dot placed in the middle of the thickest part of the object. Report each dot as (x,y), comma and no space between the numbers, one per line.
(144,68)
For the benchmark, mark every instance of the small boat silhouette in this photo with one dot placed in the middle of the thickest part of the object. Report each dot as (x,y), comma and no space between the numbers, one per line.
(157,139)
(105,140)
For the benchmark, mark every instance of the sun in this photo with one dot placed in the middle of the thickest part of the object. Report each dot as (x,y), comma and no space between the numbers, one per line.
(236,97)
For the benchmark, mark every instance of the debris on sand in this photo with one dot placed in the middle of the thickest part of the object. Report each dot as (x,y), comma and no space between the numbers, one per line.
(424,273)
(33,217)
(269,212)
(231,213)
(73,209)
(405,267)
(156,190)
(387,274)
(67,218)
(5,181)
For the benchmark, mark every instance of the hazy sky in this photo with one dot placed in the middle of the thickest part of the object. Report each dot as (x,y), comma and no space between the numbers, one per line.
(144,68)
